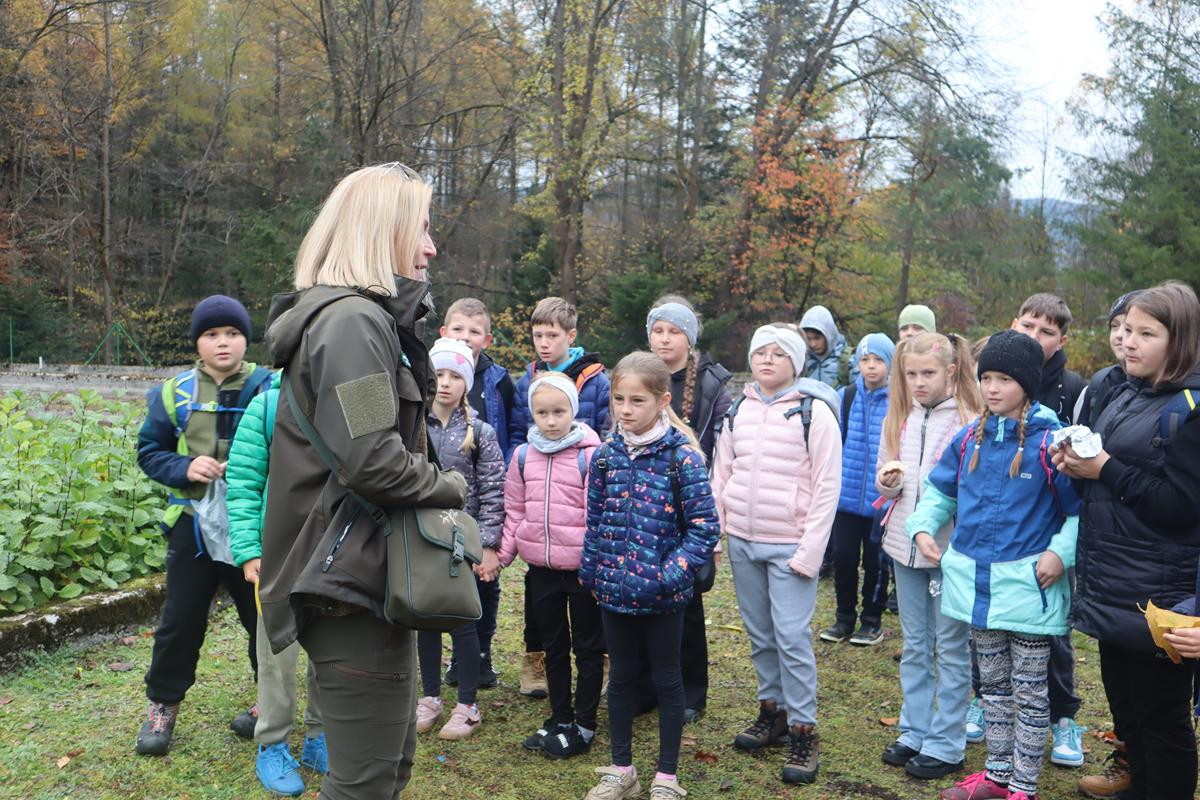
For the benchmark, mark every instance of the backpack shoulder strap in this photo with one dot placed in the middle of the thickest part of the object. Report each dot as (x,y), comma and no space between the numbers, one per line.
(732,412)
(805,411)
(521,451)
(962,450)
(1177,410)
(258,381)
(847,404)
(581,460)
(1042,457)
(272,401)
(177,395)
(677,490)
(477,430)
(586,375)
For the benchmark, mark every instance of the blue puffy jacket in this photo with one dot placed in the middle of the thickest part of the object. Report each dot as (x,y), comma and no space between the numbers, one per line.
(593,385)
(492,398)
(860,446)
(635,558)
(1004,525)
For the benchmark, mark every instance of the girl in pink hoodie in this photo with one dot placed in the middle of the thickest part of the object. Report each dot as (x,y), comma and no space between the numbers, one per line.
(777,474)
(545,518)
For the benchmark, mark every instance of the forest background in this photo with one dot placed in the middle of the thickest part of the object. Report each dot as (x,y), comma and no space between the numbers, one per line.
(759,156)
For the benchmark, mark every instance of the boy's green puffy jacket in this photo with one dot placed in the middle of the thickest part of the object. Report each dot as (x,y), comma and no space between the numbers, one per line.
(246,475)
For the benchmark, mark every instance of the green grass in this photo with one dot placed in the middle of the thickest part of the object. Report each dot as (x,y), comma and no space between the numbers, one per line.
(74,700)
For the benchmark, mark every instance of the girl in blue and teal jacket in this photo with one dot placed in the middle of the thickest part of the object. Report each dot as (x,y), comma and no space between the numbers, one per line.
(1004,569)
(651,524)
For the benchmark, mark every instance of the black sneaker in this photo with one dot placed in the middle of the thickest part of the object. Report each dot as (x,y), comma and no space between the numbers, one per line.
(488,677)
(534,740)
(452,673)
(867,635)
(803,756)
(243,724)
(838,632)
(929,768)
(893,605)
(154,739)
(897,754)
(565,742)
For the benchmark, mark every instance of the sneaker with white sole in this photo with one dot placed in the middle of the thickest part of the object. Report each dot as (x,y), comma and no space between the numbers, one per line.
(615,785)
(975,723)
(429,710)
(666,790)
(464,721)
(1067,750)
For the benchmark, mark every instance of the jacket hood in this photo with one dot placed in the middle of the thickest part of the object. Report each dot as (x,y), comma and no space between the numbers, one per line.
(577,366)
(819,318)
(291,312)
(1052,371)
(803,386)
(707,365)
(482,364)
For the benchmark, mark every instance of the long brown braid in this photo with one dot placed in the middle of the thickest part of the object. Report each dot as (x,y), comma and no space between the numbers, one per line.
(469,443)
(1015,468)
(979,426)
(688,405)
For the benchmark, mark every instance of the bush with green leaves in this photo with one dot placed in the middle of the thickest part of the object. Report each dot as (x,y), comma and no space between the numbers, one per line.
(76,513)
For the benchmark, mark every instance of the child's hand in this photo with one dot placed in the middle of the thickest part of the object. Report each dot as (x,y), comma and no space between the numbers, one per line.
(928,547)
(1069,464)
(205,469)
(1186,641)
(489,570)
(250,570)
(1049,569)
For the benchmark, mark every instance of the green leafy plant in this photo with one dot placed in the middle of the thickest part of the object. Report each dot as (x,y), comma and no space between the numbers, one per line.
(76,513)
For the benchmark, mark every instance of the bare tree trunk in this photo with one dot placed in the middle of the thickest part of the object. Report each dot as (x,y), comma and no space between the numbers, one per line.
(106,267)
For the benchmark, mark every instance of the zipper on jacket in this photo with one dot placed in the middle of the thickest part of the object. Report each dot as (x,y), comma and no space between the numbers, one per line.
(912,553)
(546,508)
(337,543)
(1041,591)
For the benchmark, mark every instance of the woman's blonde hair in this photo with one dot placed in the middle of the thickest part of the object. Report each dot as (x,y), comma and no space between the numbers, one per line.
(370,216)
(948,350)
(655,375)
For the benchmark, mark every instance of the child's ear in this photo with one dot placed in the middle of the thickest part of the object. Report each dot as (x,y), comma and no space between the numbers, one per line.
(571,334)
(951,371)
(442,331)
(487,342)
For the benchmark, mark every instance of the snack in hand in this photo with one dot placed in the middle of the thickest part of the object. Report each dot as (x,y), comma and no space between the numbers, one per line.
(891,466)
(1161,621)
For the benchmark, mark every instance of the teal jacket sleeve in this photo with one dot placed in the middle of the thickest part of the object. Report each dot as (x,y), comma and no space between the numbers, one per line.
(246,475)
(932,512)
(1063,542)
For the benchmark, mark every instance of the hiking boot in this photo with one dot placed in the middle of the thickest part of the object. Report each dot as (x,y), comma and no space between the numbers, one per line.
(615,785)
(928,768)
(488,677)
(1067,750)
(451,676)
(769,728)
(429,710)
(803,755)
(975,787)
(464,721)
(838,632)
(243,724)
(533,675)
(1114,779)
(868,634)
(535,739)
(897,754)
(975,723)
(315,755)
(154,738)
(666,790)
(565,742)
(278,771)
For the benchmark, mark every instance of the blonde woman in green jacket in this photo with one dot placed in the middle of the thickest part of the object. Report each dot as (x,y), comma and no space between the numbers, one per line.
(246,474)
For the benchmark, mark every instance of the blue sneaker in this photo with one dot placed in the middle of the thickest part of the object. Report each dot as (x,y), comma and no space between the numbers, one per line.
(975,723)
(1068,743)
(315,756)
(278,771)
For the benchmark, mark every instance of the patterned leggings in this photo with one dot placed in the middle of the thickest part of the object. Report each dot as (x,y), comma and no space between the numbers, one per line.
(1016,705)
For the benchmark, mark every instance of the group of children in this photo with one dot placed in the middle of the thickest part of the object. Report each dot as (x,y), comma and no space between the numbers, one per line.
(614,488)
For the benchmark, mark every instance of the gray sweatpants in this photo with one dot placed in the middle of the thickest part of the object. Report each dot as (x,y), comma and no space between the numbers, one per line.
(277,693)
(777,608)
(366,673)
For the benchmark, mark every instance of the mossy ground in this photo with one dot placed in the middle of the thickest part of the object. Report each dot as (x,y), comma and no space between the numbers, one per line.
(88,703)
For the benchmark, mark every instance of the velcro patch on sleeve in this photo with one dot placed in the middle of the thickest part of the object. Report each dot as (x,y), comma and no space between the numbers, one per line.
(368,404)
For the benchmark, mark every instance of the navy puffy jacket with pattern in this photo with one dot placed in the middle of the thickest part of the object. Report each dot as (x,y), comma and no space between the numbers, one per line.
(635,558)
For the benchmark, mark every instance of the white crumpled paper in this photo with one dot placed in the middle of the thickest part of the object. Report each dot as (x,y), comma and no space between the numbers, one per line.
(1084,441)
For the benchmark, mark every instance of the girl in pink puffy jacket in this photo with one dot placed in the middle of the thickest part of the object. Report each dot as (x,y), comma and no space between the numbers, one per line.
(545,517)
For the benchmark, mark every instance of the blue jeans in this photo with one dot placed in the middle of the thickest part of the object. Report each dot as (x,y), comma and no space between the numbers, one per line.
(933,717)
(777,608)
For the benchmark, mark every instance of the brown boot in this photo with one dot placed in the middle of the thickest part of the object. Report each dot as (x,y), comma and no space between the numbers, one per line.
(1115,777)
(803,755)
(769,728)
(533,675)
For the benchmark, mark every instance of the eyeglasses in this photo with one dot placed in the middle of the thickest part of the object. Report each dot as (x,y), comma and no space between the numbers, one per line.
(407,172)
(766,356)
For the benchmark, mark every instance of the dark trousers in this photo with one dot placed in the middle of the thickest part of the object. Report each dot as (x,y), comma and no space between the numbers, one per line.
(1061,679)
(533,637)
(364,669)
(628,637)
(192,581)
(569,620)
(851,539)
(1151,700)
(489,598)
(465,643)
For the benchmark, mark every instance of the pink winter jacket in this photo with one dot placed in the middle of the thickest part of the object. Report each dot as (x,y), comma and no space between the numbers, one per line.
(922,438)
(769,487)
(545,511)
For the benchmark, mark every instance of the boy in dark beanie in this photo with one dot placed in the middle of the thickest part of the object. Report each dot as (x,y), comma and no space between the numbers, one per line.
(183,445)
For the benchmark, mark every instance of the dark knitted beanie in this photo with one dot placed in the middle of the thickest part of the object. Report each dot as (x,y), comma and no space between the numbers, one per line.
(217,311)
(1016,355)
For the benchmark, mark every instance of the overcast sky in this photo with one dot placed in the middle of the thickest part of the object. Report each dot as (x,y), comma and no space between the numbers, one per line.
(1044,48)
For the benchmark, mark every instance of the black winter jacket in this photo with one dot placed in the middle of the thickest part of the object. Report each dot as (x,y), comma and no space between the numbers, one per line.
(711,401)
(1060,387)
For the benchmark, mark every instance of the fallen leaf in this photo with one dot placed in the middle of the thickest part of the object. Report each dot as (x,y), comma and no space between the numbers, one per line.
(725,786)
(688,741)
(62,762)
(5,700)
(29,726)
(735,628)
(120,666)
(76,753)
(497,704)
(128,641)
(888,722)
(707,757)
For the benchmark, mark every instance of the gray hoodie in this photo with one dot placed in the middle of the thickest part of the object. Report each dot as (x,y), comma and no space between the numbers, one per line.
(824,368)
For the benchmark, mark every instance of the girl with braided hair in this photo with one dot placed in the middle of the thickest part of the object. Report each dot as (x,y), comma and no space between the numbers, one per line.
(699,397)
(1003,570)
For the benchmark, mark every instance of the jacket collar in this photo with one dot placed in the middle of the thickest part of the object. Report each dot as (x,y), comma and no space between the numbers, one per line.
(670,441)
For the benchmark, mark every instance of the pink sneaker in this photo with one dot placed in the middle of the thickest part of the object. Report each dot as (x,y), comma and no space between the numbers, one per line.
(429,709)
(464,720)
(975,787)
(1022,796)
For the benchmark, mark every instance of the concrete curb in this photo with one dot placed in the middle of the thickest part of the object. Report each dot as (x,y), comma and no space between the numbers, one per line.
(50,627)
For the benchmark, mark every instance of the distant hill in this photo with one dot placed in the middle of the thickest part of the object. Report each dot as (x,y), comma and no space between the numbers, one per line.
(1060,216)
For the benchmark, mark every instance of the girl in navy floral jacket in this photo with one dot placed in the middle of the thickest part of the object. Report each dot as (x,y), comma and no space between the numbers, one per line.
(652,523)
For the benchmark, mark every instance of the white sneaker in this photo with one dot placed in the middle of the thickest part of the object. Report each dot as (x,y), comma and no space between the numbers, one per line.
(615,785)
(975,723)
(429,709)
